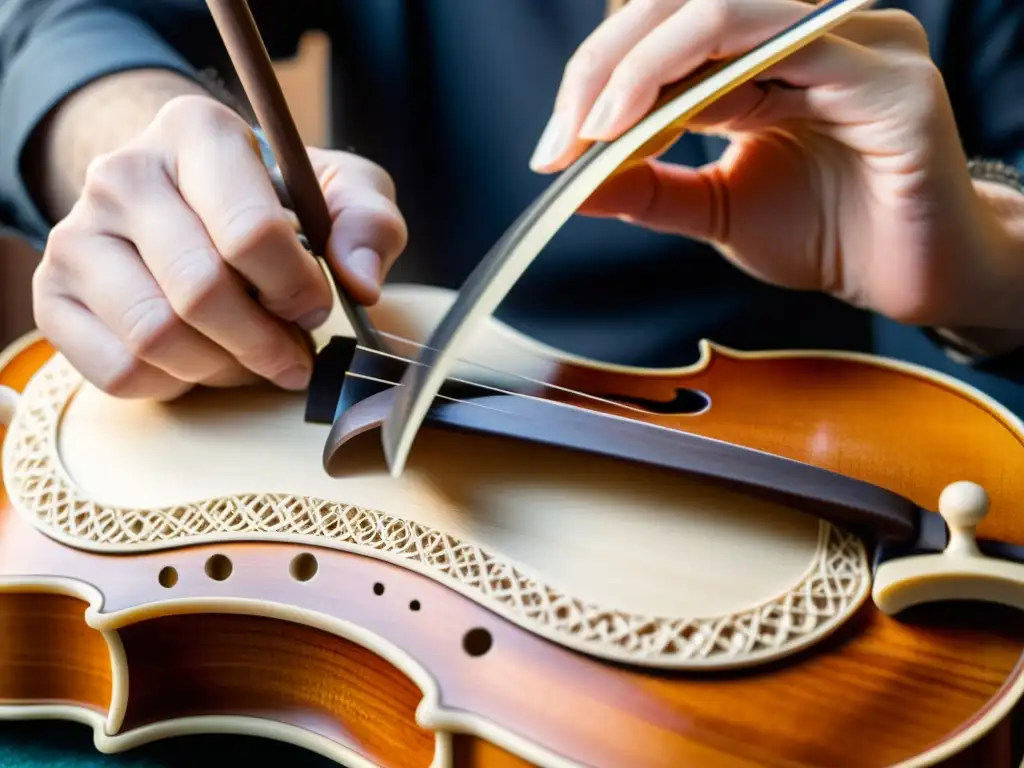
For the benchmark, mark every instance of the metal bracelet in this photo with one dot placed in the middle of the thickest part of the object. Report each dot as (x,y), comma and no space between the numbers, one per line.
(982,169)
(957,347)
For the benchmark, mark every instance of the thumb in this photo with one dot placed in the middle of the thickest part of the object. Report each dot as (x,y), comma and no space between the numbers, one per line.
(664,197)
(368,231)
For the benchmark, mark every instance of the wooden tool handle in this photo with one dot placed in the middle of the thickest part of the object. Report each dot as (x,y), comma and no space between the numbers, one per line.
(249,56)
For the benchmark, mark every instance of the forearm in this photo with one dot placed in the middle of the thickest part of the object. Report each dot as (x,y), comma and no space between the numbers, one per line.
(99,118)
(63,101)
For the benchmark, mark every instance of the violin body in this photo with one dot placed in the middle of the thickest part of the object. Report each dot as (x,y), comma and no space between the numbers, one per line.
(201,566)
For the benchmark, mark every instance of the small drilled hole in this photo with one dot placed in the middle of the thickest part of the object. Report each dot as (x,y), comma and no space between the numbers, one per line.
(218,567)
(477,642)
(167,577)
(378,588)
(414,605)
(303,567)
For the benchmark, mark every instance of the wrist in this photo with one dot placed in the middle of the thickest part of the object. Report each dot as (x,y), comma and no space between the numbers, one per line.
(1002,239)
(999,191)
(98,118)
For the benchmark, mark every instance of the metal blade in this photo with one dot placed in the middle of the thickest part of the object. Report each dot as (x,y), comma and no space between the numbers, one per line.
(498,272)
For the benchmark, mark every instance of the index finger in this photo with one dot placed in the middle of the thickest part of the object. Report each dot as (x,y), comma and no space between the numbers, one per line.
(587,72)
(662,53)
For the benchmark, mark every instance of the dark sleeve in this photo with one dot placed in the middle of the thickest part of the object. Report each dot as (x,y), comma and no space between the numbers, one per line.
(50,48)
(992,109)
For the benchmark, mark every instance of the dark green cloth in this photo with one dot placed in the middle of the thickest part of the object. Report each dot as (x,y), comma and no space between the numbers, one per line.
(51,744)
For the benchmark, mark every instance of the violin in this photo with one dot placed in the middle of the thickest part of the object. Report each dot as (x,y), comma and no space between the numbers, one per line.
(235,562)
(779,558)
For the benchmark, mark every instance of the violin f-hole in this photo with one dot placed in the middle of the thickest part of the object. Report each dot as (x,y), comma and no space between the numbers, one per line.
(686,402)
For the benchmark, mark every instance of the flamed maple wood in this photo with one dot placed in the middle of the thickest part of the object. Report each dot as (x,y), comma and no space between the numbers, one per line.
(878,692)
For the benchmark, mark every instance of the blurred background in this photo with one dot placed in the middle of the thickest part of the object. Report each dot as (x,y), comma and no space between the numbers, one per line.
(304,82)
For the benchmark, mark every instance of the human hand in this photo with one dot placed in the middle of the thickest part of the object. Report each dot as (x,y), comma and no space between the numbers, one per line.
(845,173)
(178,265)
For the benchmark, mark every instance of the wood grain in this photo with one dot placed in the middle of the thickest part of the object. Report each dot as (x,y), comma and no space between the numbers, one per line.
(897,430)
(49,654)
(209,664)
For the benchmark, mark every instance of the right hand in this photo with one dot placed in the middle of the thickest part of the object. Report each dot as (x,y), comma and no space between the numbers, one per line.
(144,285)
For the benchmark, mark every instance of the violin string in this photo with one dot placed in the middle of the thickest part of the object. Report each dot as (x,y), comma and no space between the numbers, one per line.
(365,377)
(461,401)
(513,374)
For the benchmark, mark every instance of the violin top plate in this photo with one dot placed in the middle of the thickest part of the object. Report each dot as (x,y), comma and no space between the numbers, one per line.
(620,561)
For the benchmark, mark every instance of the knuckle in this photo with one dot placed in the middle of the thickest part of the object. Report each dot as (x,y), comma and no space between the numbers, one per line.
(658,8)
(925,73)
(104,177)
(378,218)
(270,358)
(58,261)
(246,227)
(392,228)
(121,379)
(199,283)
(716,14)
(192,114)
(45,278)
(342,175)
(380,179)
(42,303)
(149,324)
(292,301)
(121,174)
(60,240)
(584,63)
(907,27)
(925,84)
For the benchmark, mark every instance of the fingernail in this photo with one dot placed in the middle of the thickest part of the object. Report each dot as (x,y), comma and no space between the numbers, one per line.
(552,144)
(314,319)
(296,377)
(364,263)
(602,116)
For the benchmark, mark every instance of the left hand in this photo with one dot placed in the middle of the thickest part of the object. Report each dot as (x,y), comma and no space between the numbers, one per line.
(845,172)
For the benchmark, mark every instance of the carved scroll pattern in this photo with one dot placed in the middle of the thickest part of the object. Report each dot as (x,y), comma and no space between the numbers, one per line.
(41,490)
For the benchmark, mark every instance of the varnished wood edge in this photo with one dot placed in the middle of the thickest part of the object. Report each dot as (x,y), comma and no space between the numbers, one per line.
(430,715)
(18,346)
